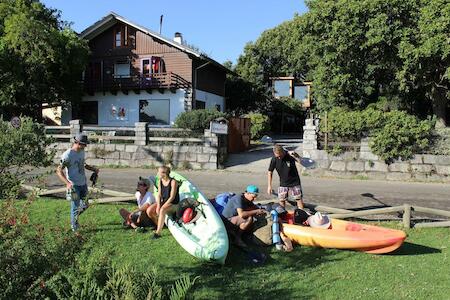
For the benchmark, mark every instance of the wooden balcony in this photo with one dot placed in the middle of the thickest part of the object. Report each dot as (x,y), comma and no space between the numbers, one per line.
(159,81)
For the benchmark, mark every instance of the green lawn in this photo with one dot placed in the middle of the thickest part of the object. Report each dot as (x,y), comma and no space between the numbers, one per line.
(420,269)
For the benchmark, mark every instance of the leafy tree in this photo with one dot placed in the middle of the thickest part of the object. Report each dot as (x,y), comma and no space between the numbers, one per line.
(425,53)
(359,52)
(41,58)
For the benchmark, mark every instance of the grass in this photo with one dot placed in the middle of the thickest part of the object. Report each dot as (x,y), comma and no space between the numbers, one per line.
(418,270)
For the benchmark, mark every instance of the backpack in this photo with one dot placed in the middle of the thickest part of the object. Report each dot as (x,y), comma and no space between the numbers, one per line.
(221,201)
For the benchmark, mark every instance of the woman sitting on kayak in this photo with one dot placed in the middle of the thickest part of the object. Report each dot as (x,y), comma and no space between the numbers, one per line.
(167,198)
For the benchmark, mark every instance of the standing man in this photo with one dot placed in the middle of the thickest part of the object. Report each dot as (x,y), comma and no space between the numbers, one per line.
(284,163)
(74,177)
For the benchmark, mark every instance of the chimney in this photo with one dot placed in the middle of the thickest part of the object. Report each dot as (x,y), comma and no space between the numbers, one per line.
(178,38)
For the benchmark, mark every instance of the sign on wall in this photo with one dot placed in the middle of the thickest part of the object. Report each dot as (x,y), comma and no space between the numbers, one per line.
(219,126)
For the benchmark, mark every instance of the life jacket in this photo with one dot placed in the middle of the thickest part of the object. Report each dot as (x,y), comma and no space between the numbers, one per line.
(221,201)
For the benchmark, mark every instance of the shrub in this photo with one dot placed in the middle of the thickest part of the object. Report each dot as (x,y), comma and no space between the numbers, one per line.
(197,119)
(401,136)
(31,254)
(260,124)
(394,134)
(21,149)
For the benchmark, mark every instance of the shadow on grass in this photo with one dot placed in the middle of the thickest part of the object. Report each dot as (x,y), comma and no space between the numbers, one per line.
(414,249)
(240,278)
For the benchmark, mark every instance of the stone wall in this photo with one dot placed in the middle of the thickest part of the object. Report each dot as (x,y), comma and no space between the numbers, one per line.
(209,154)
(423,167)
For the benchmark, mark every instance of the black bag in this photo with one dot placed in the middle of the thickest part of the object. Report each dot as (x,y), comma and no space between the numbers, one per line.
(300,216)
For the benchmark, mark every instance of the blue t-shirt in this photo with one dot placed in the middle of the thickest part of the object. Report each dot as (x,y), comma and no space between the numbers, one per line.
(235,202)
(73,161)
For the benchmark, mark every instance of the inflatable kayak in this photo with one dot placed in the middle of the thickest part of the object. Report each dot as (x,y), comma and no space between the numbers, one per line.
(347,235)
(206,238)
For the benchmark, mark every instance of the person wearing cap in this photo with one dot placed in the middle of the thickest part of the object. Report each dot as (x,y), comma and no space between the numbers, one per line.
(284,163)
(74,177)
(240,209)
(142,217)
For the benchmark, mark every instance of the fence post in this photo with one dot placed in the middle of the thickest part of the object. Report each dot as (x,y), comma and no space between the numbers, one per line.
(140,133)
(407,216)
(76,126)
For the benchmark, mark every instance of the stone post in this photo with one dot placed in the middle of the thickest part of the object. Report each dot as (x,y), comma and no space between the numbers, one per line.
(140,133)
(309,137)
(76,126)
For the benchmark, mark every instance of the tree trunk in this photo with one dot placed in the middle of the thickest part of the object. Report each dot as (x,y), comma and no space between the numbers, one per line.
(440,103)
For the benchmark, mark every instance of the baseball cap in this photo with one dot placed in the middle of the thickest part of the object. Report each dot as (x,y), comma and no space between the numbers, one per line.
(253,189)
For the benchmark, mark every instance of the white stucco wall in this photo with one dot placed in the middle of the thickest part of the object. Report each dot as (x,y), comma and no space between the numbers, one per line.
(210,99)
(131,104)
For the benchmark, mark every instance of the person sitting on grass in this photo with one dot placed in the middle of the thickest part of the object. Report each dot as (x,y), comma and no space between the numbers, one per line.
(167,199)
(240,209)
(142,217)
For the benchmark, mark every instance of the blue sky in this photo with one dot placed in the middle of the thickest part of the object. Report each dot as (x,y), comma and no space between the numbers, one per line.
(219,28)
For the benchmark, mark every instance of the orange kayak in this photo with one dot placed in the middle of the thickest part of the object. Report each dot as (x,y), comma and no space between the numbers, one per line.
(347,235)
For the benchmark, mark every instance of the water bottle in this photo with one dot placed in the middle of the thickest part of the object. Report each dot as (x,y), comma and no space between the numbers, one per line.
(276,239)
(71,195)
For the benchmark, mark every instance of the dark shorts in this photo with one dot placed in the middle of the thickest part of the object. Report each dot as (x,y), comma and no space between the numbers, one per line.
(144,220)
(294,191)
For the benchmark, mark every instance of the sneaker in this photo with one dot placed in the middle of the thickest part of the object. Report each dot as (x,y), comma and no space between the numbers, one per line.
(155,236)
(82,209)
(139,229)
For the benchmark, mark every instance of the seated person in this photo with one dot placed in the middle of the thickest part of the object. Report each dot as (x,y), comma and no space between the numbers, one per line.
(167,200)
(240,209)
(142,217)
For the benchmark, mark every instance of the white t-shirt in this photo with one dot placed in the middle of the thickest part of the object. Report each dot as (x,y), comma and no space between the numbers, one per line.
(148,198)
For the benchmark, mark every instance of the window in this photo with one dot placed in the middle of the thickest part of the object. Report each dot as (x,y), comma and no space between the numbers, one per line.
(282,88)
(118,37)
(200,104)
(89,112)
(301,93)
(122,69)
(121,36)
(155,112)
(146,67)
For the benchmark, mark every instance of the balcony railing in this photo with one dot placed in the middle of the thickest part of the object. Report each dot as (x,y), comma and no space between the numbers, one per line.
(153,81)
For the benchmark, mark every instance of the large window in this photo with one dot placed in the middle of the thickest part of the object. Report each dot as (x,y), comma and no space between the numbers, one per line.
(122,69)
(155,112)
(282,88)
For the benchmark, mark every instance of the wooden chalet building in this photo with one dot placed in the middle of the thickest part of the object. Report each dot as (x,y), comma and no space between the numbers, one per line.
(136,75)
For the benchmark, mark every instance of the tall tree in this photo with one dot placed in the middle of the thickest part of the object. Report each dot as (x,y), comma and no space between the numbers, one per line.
(41,58)
(425,52)
(358,52)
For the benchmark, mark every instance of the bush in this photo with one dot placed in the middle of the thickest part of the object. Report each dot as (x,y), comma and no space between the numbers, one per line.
(394,134)
(21,149)
(31,254)
(401,137)
(260,124)
(197,119)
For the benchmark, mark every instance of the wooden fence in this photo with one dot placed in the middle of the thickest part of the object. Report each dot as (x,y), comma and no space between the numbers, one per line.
(406,211)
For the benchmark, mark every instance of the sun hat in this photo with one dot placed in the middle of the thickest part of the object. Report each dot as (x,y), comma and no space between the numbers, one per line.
(319,221)
(252,189)
(81,138)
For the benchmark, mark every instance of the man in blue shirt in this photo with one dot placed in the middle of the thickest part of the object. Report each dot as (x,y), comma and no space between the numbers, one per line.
(240,209)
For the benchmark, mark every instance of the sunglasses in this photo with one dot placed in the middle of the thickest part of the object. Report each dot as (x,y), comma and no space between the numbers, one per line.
(142,184)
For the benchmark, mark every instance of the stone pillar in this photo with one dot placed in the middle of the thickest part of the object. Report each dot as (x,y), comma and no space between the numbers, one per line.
(309,137)
(140,133)
(211,147)
(76,126)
